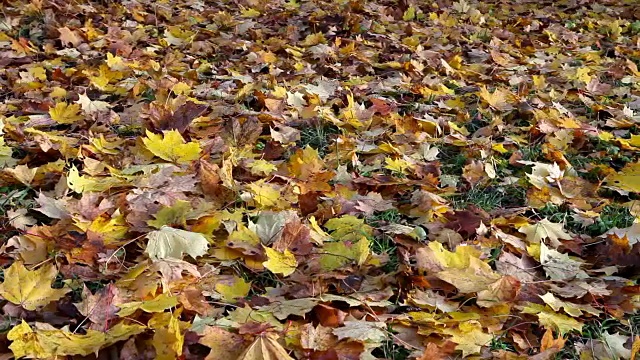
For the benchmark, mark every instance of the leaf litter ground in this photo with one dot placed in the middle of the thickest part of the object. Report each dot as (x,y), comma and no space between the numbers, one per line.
(320,179)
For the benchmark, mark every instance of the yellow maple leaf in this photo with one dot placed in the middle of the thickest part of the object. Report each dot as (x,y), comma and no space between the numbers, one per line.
(110,228)
(583,74)
(181,88)
(115,62)
(168,340)
(236,288)
(453,260)
(264,194)
(498,99)
(158,304)
(304,163)
(51,344)
(30,289)
(470,337)
(572,309)
(104,77)
(628,179)
(81,184)
(265,347)
(477,277)
(552,320)
(172,147)
(397,165)
(280,263)
(262,167)
(64,113)
(340,253)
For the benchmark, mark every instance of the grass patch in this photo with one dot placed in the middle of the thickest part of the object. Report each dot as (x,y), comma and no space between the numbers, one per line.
(611,216)
(14,196)
(532,153)
(319,136)
(491,197)
(499,343)
(452,160)
(383,243)
(381,218)
(595,330)
(391,351)
(260,281)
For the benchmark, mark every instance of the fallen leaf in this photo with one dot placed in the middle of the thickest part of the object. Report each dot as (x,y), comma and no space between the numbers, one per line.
(69,37)
(169,242)
(30,289)
(64,113)
(284,263)
(172,147)
(47,344)
(363,331)
(224,344)
(545,229)
(559,266)
(265,347)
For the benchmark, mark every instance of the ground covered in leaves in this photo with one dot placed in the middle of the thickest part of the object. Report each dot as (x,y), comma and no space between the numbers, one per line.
(319,179)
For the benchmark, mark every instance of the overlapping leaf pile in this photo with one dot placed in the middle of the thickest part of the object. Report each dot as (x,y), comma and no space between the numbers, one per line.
(320,179)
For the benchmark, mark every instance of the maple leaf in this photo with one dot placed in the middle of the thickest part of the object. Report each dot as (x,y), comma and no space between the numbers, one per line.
(612,346)
(284,263)
(632,233)
(364,331)
(223,344)
(265,195)
(477,277)
(169,242)
(30,289)
(318,338)
(64,113)
(559,266)
(233,288)
(50,343)
(81,184)
(168,339)
(545,229)
(627,179)
(5,154)
(265,347)
(283,309)
(68,36)
(552,320)
(91,106)
(337,254)
(574,310)
(158,304)
(470,337)
(172,147)
(498,99)
(397,165)
(99,307)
